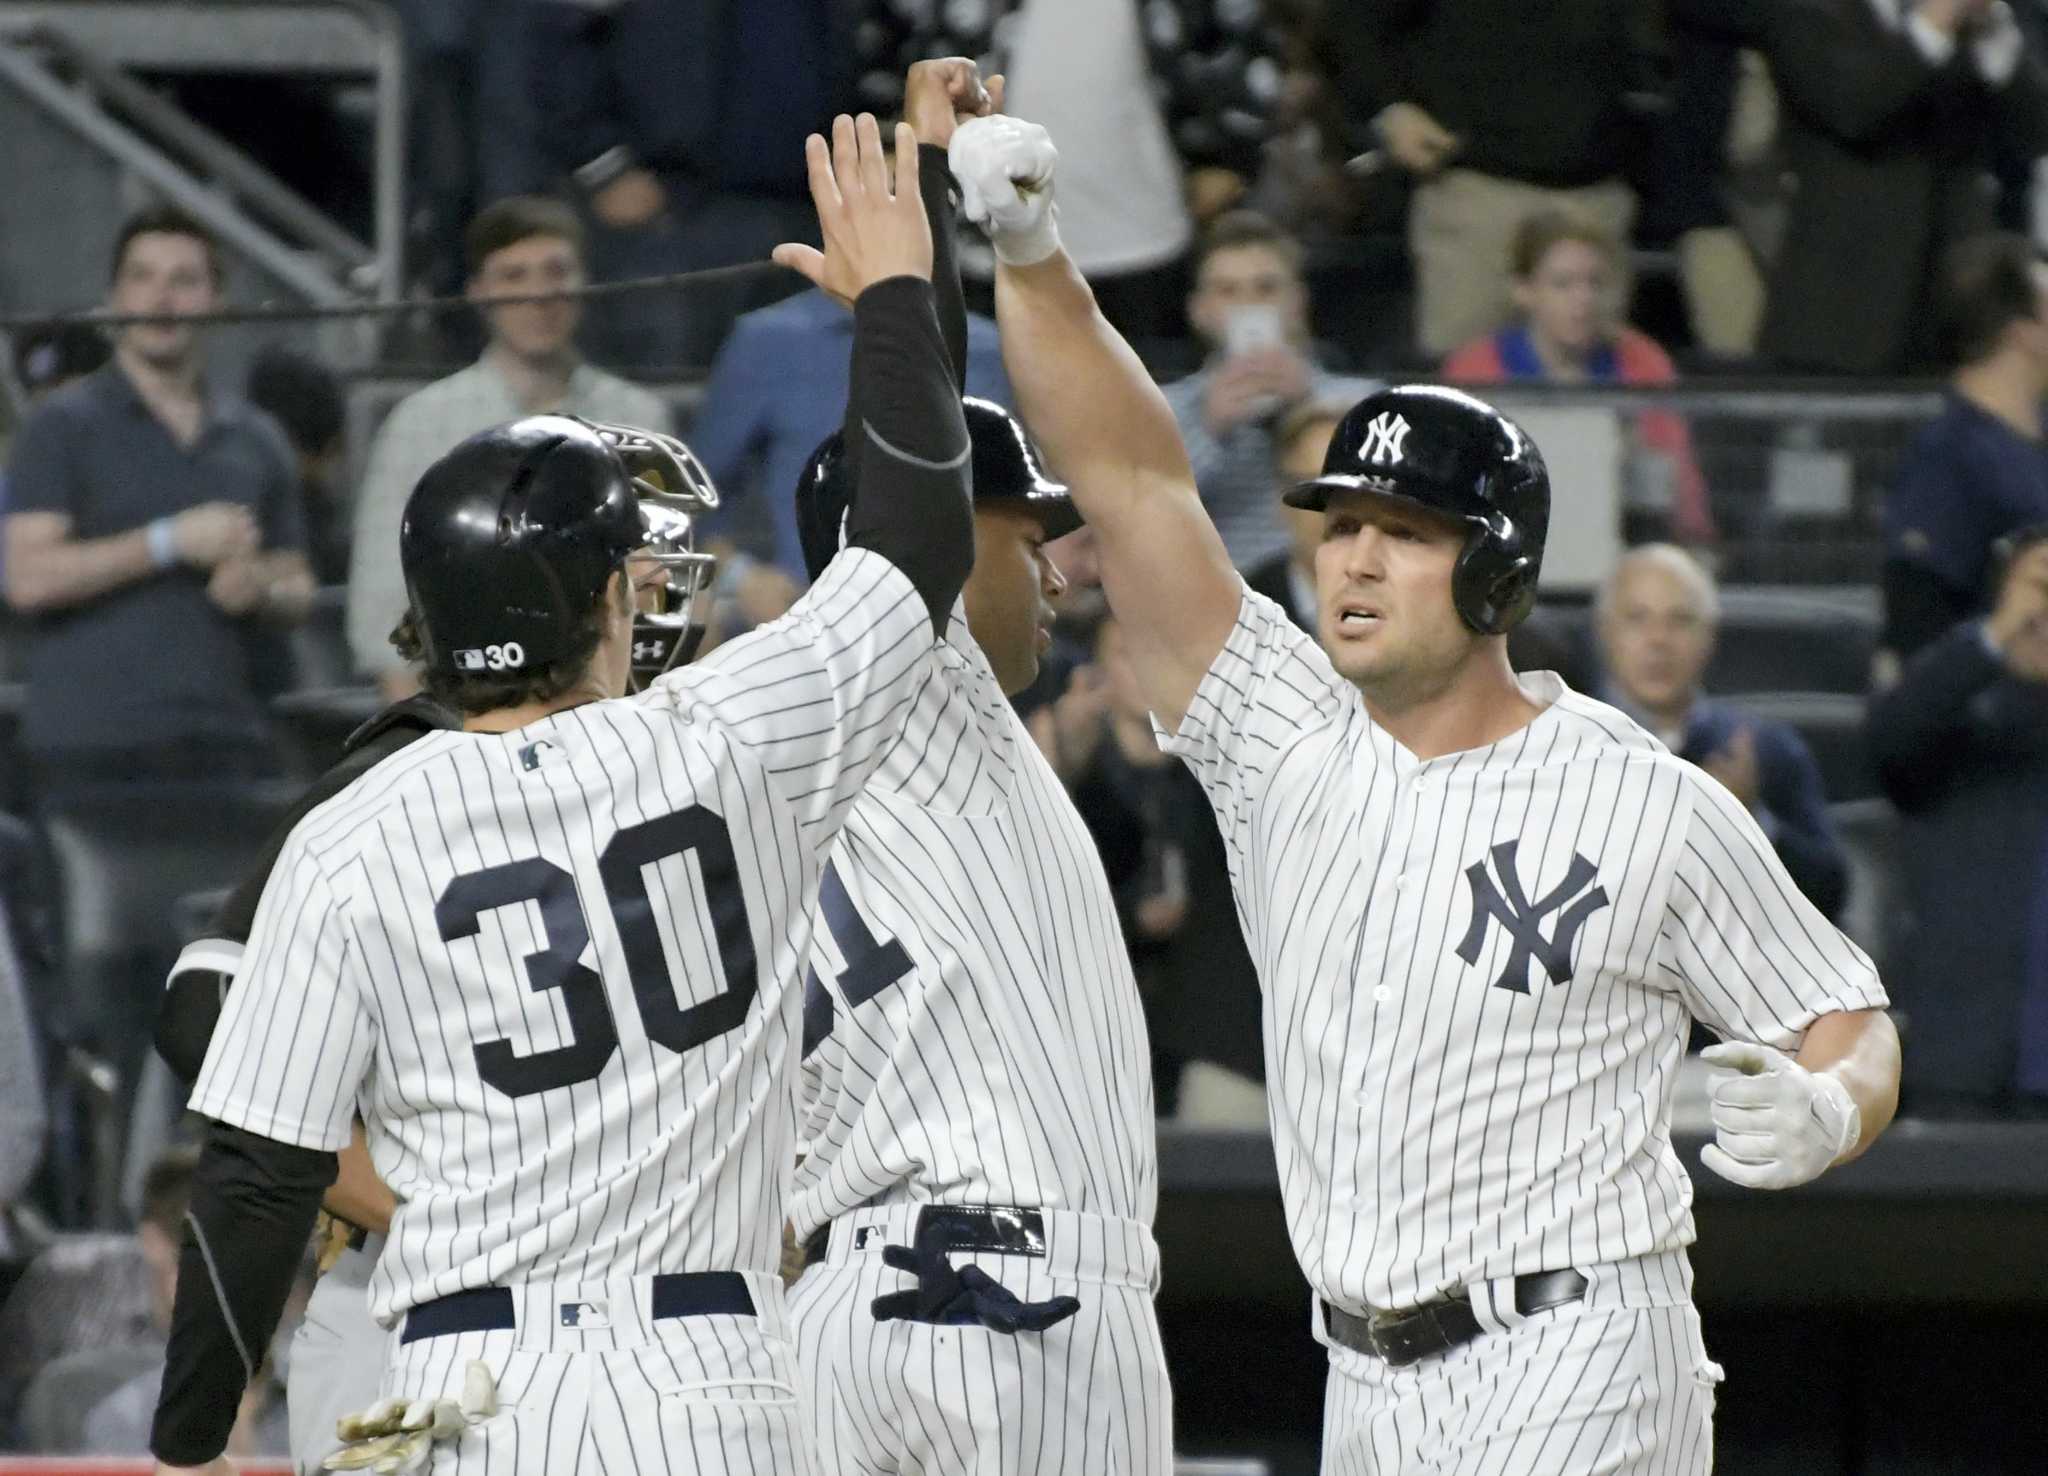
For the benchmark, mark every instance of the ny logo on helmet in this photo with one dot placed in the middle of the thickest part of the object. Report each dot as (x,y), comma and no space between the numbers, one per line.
(1384,436)
(1509,904)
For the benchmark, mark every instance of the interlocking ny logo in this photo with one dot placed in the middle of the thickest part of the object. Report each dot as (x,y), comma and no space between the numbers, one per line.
(1384,436)
(1509,903)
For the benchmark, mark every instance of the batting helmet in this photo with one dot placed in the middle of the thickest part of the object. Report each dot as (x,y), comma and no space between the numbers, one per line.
(509,539)
(1006,469)
(1444,450)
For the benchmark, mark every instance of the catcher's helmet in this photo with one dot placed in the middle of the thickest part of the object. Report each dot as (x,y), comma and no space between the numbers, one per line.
(508,540)
(1445,450)
(1005,466)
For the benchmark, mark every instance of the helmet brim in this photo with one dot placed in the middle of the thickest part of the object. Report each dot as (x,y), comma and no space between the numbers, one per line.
(1314,495)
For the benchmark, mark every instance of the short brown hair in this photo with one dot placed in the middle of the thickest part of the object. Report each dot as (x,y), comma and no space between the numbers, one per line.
(166,220)
(1987,286)
(167,1189)
(512,220)
(1237,229)
(1538,233)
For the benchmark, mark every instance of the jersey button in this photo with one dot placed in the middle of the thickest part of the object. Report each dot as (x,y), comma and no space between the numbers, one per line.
(1381,993)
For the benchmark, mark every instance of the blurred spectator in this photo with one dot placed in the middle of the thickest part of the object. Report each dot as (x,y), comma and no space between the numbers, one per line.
(1288,578)
(1961,743)
(518,247)
(1979,470)
(778,388)
(47,358)
(1497,109)
(22,1106)
(1656,618)
(1165,861)
(1250,309)
(1160,113)
(1566,272)
(682,127)
(149,518)
(1893,111)
(304,396)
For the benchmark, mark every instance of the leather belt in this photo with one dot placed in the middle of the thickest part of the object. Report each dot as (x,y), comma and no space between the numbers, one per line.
(991,1229)
(1404,1337)
(490,1308)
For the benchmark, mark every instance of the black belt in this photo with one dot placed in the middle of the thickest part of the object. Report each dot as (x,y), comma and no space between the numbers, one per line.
(1400,1338)
(489,1308)
(991,1229)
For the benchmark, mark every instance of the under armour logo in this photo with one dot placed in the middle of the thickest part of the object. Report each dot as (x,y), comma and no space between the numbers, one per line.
(586,1315)
(1383,438)
(644,651)
(1510,905)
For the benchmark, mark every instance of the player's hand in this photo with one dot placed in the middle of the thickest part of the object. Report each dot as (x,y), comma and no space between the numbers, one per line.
(1736,767)
(634,199)
(967,1295)
(1005,170)
(939,95)
(1776,1124)
(212,532)
(872,231)
(1416,141)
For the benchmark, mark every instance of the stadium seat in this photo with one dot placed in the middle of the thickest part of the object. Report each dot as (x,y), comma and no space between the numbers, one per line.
(60,1402)
(1869,832)
(81,1291)
(1780,640)
(1832,725)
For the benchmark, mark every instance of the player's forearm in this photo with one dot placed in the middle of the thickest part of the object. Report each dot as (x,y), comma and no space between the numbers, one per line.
(71,571)
(1860,1048)
(253,1204)
(357,1195)
(935,183)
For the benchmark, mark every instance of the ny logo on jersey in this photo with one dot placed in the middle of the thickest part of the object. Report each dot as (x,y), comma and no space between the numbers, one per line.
(1509,904)
(1384,436)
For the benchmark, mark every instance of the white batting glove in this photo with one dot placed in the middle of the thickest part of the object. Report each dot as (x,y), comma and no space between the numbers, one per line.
(1005,168)
(1776,1124)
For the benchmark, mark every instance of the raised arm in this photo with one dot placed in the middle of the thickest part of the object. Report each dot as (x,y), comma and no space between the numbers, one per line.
(1101,422)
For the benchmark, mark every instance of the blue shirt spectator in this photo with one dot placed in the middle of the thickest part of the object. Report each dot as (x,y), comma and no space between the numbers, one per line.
(778,388)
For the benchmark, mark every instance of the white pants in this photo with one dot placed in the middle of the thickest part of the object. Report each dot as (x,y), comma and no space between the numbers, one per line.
(620,1392)
(337,1357)
(1089,1394)
(1607,1386)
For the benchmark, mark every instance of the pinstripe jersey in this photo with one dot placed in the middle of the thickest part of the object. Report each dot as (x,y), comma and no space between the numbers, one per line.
(986,1045)
(557,966)
(1478,971)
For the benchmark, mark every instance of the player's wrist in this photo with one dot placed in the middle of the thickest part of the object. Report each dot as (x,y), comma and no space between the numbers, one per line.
(1029,245)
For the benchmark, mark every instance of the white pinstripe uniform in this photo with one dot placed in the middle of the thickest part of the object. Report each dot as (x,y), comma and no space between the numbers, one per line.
(1459,1100)
(556,970)
(987,1048)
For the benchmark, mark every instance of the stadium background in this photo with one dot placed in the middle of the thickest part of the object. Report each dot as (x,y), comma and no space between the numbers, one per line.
(1885,1320)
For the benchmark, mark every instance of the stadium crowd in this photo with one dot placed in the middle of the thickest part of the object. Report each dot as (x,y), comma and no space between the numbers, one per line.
(1283,205)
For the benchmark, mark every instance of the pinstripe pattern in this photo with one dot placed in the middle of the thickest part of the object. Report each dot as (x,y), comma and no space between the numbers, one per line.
(664,1159)
(1006,1065)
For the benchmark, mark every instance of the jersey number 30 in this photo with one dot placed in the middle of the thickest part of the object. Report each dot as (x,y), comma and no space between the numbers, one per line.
(593,1037)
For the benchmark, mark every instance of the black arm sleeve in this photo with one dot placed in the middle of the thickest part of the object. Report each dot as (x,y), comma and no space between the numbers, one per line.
(253,1203)
(942,208)
(913,469)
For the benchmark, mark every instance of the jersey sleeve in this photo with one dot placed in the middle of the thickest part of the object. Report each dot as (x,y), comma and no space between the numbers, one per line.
(295,1037)
(1752,958)
(819,695)
(1268,685)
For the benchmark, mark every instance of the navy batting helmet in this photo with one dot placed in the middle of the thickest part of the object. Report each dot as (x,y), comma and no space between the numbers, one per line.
(1444,450)
(1005,465)
(509,539)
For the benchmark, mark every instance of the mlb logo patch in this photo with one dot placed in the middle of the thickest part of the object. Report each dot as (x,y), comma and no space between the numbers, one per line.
(470,660)
(586,1315)
(865,1236)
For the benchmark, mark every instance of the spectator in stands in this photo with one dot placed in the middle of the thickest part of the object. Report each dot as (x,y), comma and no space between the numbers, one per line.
(1288,578)
(1566,273)
(1655,618)
(1893,111)
(1250,308)
(1165,861)
(1497,108)
(777,389)
(1961,743)
(519,247)
(1979,470)
(47,358)
(1162,111)
(149,518)
(304,396)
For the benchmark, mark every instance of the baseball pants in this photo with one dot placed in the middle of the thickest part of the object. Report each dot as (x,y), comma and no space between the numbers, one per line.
(337,1357)
(591,1379)
(1088,1396)
(1618,1384)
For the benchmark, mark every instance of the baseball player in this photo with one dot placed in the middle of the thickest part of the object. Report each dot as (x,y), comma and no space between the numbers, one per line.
(552,957)
(979,1178)
(1485,910)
